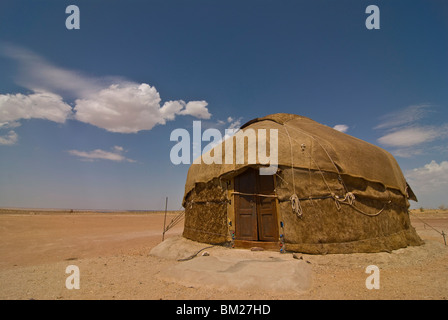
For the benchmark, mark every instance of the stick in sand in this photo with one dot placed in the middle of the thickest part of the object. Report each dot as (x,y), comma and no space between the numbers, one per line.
(164,220)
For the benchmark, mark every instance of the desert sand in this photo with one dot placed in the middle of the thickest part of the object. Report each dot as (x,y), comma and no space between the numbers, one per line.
(112,252)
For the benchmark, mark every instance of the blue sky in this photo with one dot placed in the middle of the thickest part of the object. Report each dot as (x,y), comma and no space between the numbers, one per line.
(86,115)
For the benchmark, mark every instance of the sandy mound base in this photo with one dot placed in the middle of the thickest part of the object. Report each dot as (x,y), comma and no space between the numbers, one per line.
(227,269)
(112,253)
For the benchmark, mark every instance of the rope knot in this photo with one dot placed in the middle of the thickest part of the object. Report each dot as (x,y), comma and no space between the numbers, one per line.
(350,198)
(295,204)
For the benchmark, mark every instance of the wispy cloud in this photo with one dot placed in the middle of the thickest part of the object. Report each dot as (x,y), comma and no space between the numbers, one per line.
(38,74)
(412,136)
(228,128)
(406,116)
(9,139)
(403,131)
(9,124)
(234,123)
(115,155)
(408,152)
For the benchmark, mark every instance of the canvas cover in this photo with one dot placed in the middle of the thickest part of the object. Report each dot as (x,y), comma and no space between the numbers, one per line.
(309,145)
(350,196)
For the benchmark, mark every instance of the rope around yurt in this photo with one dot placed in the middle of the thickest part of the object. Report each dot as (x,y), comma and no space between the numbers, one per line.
(173,221)
(295,202)
(195,254)
(348,199)
(303,147)
(443,234)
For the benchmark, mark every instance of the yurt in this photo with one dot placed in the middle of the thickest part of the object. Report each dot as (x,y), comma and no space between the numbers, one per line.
(327,192)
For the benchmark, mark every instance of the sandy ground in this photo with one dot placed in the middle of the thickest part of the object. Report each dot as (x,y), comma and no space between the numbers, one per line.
(112,250)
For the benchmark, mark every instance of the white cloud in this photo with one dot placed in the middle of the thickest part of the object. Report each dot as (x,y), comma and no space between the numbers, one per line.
(431,176)
(118,148)
(234,124)
(9,139)
(124,109)
(39,105)
(111,103)
(170,109)
(196,109)
(133,107)
(227,128)
(8,125)
(404,132)
(412,136)
(407,152)
(341,127)
(115,155)
(429,183)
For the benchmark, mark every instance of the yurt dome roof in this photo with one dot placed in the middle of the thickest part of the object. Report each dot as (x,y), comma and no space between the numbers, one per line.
(306,144)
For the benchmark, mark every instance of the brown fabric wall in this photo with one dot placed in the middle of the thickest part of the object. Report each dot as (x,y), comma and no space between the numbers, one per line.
(206,213)
(378,220)
(324,227)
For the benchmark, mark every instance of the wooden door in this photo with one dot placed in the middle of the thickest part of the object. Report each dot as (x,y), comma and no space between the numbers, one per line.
(267,213)
(255,214)
(245,205)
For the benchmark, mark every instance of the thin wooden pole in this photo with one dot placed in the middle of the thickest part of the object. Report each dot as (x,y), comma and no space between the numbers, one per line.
(164,220)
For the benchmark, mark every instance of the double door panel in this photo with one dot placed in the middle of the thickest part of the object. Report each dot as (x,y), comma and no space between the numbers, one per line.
(255,207)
